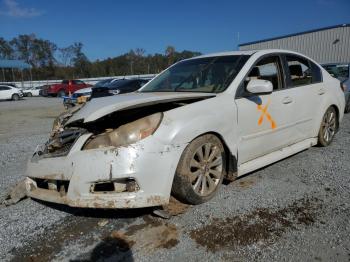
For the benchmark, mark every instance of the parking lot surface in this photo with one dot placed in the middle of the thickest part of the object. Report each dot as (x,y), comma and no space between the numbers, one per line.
(296,209)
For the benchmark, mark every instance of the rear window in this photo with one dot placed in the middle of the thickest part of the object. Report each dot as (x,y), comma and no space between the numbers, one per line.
(316,73)
(300,71)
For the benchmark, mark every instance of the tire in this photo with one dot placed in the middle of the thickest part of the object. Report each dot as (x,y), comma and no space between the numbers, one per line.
(347,106)
(200,171)
(15,97)
(328,127)
(29,94)
(61,93)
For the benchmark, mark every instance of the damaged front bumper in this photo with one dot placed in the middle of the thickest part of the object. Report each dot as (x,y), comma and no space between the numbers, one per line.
(134,176)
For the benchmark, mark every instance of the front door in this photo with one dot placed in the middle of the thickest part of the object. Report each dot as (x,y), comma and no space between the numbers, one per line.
(264,121)
(5,92)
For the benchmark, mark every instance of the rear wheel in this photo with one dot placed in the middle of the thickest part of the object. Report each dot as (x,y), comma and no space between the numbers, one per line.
(29,94)
(328,127)
(200,171)
(15,97)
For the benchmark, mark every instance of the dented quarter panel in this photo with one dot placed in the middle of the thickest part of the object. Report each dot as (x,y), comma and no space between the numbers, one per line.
(183,124)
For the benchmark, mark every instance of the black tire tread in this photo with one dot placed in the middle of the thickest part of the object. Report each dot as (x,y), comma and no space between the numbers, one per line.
(182,188)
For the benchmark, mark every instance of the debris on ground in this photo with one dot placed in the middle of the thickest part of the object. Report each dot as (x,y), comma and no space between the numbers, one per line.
(102,223)
(175,207)
(17,193)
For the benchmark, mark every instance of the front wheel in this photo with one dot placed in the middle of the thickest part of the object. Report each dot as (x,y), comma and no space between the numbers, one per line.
(200,171)
(328,127)
(29,94)
(15,97)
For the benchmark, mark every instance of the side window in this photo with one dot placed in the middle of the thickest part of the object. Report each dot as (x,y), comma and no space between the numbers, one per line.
(77,82)
(136,85)
(65,82)
(3,88)
(142,83)
(266,69)
(316,73)
(299,70)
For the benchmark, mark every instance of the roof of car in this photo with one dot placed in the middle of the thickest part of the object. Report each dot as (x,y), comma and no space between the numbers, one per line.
(8,85)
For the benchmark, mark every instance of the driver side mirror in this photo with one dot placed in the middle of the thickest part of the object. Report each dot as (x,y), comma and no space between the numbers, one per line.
(259,87)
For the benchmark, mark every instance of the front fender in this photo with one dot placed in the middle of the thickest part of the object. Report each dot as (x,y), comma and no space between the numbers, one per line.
(215,115)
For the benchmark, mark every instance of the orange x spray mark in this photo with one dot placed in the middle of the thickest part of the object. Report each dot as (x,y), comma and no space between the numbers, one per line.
(266,114)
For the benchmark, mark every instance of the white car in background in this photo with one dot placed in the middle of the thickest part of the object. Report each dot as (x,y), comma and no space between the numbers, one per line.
(202,120)
(86,92)
(34,91)
(10,93)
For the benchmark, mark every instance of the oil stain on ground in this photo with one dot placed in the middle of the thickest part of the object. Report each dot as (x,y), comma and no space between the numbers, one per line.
(262,226)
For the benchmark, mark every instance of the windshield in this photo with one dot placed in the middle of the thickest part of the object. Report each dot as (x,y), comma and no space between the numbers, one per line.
(338,71)
(209,75)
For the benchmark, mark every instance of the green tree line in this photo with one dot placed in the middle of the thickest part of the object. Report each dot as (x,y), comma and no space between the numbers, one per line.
(49,61)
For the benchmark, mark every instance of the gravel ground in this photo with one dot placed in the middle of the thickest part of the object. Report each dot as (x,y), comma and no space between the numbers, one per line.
(296,209)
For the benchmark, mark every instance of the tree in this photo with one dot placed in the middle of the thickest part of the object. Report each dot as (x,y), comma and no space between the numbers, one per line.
(80,60)
(22,46)
(66,55)
(170,52)
(50,62)
(6,51)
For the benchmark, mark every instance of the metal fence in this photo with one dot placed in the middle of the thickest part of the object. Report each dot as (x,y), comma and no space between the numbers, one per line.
(92,81)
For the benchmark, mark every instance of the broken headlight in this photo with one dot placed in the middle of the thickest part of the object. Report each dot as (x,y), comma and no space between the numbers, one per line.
(126,134)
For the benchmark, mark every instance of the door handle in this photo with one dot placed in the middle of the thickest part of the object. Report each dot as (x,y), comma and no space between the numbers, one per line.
(287,100)
(321,91)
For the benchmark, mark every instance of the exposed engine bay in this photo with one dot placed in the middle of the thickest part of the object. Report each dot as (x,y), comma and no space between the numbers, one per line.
(63,137)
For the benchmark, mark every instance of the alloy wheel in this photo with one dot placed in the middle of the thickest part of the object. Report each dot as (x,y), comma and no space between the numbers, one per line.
(206,169)
(329,125)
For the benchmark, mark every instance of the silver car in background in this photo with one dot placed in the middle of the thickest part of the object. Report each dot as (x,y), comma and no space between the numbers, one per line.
(341,71)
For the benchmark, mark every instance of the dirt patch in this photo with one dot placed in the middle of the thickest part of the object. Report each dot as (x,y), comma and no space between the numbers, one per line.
(176,207)
(246,183)
(150,235)
(262,226)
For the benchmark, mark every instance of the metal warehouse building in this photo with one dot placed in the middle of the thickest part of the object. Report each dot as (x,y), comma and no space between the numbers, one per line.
(325,45)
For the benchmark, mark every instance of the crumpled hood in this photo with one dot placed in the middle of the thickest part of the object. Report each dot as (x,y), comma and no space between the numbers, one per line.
(99,107)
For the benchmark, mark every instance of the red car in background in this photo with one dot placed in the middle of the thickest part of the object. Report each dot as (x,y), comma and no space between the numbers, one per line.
(66,87)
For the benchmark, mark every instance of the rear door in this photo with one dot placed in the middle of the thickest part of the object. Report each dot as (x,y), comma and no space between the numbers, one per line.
(264,121)
(304,82)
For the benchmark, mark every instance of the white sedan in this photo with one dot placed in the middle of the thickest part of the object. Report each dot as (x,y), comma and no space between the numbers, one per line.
(10,93)
(200,121)
(34,91)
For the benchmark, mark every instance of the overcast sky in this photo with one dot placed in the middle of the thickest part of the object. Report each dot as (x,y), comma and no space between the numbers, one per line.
(109,28)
